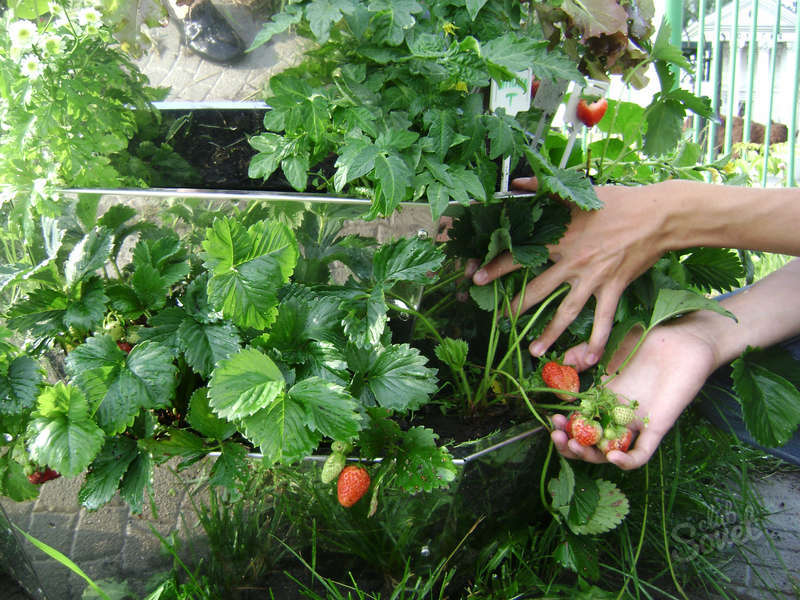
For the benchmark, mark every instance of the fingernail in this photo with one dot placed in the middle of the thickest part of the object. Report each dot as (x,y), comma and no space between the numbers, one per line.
(536,349)
(470,268)
(591,358)
(480,277)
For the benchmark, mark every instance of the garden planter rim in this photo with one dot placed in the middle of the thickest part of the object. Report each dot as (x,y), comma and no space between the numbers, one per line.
(456,461)
(214,194)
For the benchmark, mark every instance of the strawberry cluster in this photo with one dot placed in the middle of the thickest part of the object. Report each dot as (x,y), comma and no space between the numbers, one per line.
(601,421)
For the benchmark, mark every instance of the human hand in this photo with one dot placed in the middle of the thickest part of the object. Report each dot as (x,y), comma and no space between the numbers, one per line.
(664,376)
(600,254)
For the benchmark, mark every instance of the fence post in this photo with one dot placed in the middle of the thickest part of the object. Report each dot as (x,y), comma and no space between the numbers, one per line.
(751,72)
(791,180)
(716,71)
(733,54)
(773,70)
(700,64)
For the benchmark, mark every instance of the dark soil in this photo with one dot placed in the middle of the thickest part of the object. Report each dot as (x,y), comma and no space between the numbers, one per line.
(215,143)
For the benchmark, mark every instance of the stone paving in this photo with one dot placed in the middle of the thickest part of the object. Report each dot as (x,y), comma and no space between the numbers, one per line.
(114,543)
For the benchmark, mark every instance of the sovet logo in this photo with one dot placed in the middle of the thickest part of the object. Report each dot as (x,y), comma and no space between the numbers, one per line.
(714,534)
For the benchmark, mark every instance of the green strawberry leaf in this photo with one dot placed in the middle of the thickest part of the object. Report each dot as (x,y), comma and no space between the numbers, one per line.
(672,303)
(407,259)
(610,509)
(41,314)
(571,185)
(487,297)
(62,434)
(177,442)
(452,352)
(584,502)
(202,419)
(664,127)
(395,378)
(421,464)
(770,403)
(562,487)
(331,410)
(282,431)
(117,385)
(88,255)
(366,319)
(136,482)
(20,385)
(714,269)
(163,328)
(578,554)
(230,469)
(106,472)
(245,383)
(85,313)
(13,481)
(248,267)
(204,345)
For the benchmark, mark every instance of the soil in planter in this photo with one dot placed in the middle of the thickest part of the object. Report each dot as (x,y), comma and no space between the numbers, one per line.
(213,144)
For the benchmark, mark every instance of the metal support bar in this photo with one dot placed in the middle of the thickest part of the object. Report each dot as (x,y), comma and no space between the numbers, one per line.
(456,461)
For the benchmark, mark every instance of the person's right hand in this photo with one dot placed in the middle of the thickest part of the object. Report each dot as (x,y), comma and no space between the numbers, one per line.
(600,254)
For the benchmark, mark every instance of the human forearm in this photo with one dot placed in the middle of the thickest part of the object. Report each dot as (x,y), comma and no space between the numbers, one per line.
(700,214)
(766,313)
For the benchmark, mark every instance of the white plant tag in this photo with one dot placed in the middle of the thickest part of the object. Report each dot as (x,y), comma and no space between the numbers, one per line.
(510,95)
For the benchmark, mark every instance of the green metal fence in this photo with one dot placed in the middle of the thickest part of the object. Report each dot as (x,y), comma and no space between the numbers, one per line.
(747,61)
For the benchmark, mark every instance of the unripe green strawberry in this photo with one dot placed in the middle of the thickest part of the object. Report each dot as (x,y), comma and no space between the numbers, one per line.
(623,414)
(332,467)
(622,441)
(343,447)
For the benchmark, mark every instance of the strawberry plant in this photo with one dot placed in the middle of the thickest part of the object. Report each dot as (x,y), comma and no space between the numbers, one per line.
(211,345)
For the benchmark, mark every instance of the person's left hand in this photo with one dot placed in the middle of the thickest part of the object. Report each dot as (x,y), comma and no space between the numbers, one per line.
(664,376)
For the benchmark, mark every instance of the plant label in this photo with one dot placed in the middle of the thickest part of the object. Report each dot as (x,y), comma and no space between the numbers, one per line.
(510,95)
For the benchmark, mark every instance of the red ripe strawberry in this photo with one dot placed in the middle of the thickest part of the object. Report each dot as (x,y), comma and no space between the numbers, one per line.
(352,485)
(586,431)
(622,441)
(39,477)
(124,346)
(534,87)
(561,377)
(590,114)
